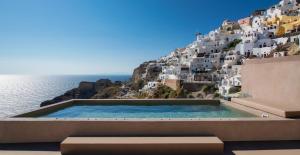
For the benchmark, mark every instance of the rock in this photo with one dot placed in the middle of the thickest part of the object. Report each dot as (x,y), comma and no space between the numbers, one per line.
(146,72)
(100,89)
(86,90)
(109,92)
(138,72)
(101,84)
(152,73)
(71,94)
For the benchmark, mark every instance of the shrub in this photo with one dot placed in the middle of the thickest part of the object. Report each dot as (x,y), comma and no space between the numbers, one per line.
(138,85)
(182,93)
(208,89)
(142,95)
(216,95)
(232,44)
(233,90)
(163,91)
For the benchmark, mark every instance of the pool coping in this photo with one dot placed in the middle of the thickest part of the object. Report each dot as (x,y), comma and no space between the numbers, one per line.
(35,130)
(30,115)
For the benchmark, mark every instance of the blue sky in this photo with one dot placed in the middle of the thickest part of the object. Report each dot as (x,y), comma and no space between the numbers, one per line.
(104,36)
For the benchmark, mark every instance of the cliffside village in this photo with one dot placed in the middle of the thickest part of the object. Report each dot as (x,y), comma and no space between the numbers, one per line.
(216,58)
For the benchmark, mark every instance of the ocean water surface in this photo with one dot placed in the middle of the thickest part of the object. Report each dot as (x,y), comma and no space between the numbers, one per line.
(21,93)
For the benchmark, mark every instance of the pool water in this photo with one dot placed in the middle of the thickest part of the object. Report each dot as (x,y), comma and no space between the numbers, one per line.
(151,111)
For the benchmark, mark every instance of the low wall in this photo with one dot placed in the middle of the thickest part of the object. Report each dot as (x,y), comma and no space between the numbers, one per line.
(20,130)
(273,81)
(23,129)
(174,84)
(195,86)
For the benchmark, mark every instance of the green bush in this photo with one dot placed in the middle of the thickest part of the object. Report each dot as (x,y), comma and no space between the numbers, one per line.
(138,85)
(142,95)
(164,92)
(190,96)
(182,93)
(233,90)
(173,94)
(216,95)
(232,44)
(208,89)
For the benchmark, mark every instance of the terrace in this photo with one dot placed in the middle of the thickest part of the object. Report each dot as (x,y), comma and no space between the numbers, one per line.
(252,125)
(32,130)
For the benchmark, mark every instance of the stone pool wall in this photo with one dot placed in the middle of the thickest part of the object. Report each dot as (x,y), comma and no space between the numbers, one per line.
(21,130)
(30,130)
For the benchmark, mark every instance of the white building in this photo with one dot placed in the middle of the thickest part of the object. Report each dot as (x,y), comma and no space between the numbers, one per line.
(231,58)
(286,5)
(150,86)
(273,12)
(263,47)
(169,72)
(278,54)
(232,79)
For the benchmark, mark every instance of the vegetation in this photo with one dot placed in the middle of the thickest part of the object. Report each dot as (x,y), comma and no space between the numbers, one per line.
(163,91)
(166,92)
(234,90)
(209,89)
(232,44)
(292,48)
(138,85)
(142,95)
(182,93)
(216,95)
(109,92)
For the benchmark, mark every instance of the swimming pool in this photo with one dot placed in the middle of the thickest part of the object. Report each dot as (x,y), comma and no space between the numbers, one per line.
(83,110)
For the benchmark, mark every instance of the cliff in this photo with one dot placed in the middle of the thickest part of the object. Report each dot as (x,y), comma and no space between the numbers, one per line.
(104,88)
(101,89)
(144,73)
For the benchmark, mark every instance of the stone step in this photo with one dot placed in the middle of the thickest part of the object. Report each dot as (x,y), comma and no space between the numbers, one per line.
(290,111)
(141,145)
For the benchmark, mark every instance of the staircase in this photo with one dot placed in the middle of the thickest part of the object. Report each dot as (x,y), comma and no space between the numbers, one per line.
(141,145)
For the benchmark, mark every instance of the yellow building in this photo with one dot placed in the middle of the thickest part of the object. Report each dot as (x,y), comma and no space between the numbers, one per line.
(284,24)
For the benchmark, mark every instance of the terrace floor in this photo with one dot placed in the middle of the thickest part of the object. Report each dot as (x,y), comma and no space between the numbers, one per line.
(231,148)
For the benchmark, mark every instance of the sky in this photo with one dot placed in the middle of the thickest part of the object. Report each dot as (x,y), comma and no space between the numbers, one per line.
(46,37)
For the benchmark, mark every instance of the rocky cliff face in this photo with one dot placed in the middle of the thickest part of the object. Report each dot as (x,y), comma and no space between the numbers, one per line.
(143,74)
(139,72)
(104,88)
(101,89)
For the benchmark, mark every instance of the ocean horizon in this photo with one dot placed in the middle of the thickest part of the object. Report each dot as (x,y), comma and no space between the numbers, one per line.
(21,93)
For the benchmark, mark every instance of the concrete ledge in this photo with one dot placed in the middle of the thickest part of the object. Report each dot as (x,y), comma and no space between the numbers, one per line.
(35,130)
(141,145)
(276,110)
(64,104)
(20,130)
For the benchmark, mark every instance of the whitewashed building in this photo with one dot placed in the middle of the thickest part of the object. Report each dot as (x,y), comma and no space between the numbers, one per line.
(263,47)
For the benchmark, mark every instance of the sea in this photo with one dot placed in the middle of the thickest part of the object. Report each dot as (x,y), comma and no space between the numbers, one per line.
(22,93)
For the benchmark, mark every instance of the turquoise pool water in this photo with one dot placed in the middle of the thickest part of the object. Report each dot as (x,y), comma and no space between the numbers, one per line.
(151,111)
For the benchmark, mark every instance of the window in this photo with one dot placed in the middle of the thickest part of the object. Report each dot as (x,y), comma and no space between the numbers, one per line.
(265,45)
